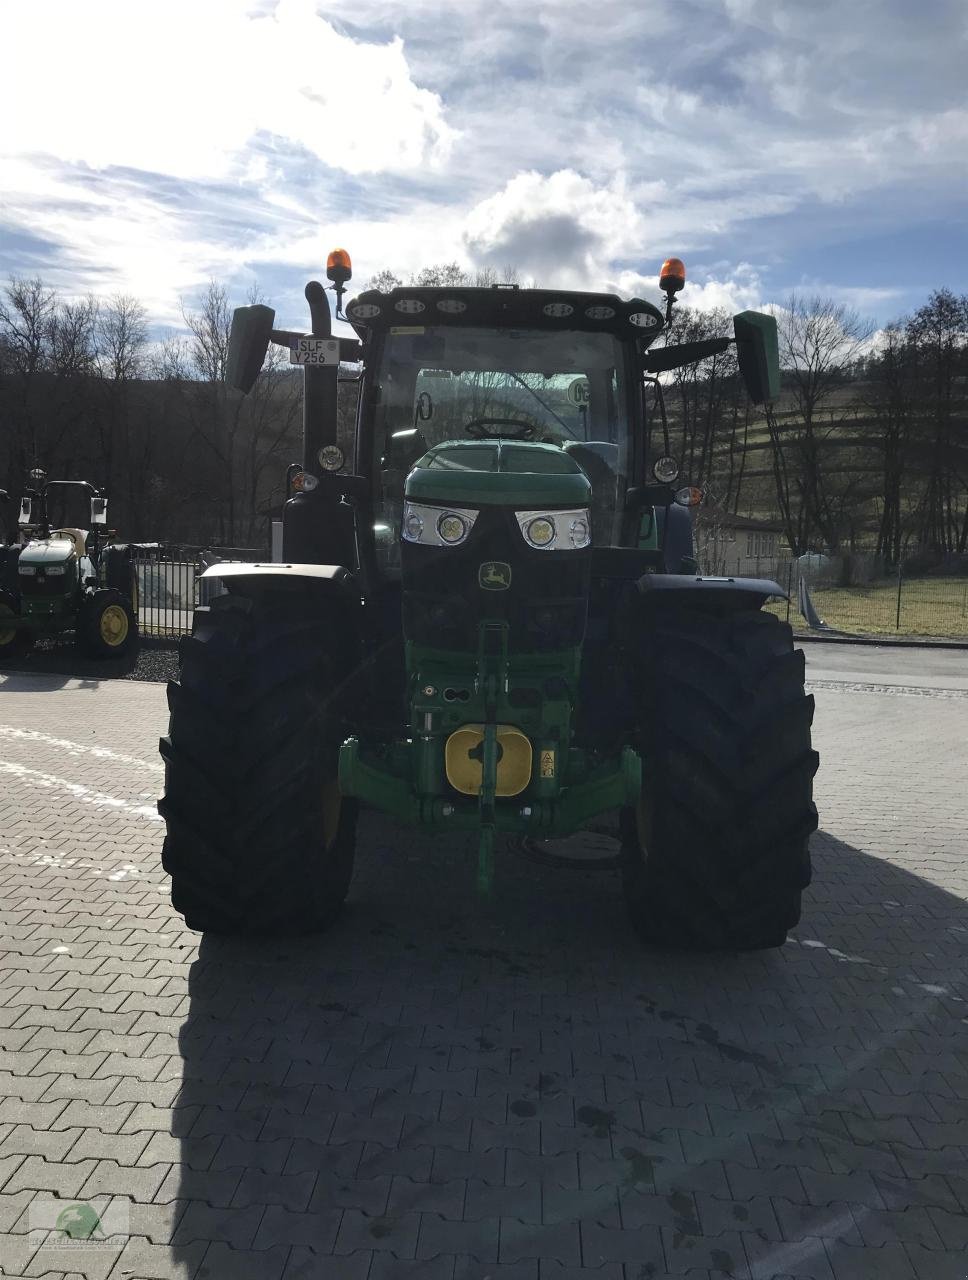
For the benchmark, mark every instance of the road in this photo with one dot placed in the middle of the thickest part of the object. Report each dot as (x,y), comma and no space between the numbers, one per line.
(448,1087)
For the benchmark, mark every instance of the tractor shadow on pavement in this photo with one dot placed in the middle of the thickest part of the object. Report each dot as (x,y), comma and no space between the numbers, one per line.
(438,1062)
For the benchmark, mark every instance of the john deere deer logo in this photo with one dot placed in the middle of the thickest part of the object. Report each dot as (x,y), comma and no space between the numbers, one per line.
(494,575)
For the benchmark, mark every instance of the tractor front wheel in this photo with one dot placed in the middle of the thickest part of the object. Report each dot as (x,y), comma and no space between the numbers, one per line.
(716,854)
(14,642)
(259,839)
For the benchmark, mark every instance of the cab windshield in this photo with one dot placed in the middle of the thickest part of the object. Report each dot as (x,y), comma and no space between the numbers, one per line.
(449,383)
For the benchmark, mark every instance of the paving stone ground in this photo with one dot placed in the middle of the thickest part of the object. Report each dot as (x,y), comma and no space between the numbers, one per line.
(450,1088)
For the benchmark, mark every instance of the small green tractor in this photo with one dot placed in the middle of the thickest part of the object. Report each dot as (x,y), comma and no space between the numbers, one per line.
(490,620)
(59,579)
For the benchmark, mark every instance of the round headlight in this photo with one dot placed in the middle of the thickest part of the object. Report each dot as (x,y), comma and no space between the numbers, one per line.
(451,527)
(665,469)
(580,533)
(331,457)
(413,526)
(541,531)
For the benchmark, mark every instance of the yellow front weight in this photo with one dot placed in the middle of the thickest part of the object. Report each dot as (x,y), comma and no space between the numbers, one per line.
(464,763)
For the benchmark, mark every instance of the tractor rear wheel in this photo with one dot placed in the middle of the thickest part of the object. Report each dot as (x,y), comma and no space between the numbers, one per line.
(106,625)
(120,573)
(259,840)
(716,855)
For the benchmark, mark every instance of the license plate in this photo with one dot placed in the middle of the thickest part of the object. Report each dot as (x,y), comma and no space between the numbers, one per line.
(315,351)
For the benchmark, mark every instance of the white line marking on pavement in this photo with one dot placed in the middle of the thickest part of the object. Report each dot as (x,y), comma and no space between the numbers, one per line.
(33,777)
(78,748)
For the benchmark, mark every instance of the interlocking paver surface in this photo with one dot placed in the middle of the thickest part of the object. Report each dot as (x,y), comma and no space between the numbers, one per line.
(451,1087)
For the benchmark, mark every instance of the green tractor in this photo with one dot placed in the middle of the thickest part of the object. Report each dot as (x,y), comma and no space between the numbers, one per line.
(59,579)
(490,620)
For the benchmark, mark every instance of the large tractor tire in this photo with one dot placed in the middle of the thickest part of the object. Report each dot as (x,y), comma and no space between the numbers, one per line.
(716,855)
(14,643)
(106,625)
(259,840)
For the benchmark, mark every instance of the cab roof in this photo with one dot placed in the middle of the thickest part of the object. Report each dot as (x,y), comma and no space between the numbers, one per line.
(505,306)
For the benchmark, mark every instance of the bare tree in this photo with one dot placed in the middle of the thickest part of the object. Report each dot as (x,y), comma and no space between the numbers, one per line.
(820,342)
(73,341)
(122,331)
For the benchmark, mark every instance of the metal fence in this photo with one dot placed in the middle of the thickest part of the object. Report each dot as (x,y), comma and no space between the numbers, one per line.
(170,585)
(934,605)
(862,599)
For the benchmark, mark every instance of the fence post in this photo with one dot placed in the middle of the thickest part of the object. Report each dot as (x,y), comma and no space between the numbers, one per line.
(789,587)
(897,621)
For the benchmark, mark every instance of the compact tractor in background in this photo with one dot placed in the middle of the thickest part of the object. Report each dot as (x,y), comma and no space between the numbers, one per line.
(60,579)
(490,621)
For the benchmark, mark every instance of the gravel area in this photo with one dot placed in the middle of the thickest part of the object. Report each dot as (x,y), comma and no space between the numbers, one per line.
(152,660)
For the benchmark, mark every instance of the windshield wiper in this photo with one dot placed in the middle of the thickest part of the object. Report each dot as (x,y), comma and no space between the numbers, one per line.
(547,408)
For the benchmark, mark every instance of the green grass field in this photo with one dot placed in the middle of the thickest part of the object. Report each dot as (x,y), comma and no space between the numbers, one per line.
(929,607)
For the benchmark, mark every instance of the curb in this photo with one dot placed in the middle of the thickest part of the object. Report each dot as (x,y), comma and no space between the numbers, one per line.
(882,642)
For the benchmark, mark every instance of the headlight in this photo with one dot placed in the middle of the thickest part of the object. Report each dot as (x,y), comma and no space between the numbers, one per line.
(665,469)
(555,530)
(54,569)
(437,526)
(26,569)
(541,532)
(452,528)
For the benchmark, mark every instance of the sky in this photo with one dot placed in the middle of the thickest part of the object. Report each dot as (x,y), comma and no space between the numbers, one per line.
(774,145)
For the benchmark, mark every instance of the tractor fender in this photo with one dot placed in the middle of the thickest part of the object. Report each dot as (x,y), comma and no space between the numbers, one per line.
(295,577)
(716,594)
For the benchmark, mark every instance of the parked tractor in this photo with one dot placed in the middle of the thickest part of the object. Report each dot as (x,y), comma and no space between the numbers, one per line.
(60,579)
(490,621)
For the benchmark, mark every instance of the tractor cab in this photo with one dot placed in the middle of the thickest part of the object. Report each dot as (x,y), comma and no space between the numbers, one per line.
(502,367)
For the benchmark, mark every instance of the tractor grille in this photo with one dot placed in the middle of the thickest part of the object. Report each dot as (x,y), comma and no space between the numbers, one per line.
(40,584)
(545,606)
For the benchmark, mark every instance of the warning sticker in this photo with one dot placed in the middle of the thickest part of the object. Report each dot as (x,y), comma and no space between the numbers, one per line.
(547,764)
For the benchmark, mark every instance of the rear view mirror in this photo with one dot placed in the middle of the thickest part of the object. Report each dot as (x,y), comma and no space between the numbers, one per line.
(25,509)
(248,344)
(99,511)
(758,352)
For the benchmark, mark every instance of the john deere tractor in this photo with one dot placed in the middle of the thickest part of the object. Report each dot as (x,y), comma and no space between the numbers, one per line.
(490,621)
(58,579)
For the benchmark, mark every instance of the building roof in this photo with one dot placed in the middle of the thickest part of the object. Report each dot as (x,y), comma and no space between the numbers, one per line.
(713,514)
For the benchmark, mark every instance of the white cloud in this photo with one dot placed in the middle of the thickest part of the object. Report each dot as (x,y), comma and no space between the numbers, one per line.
(182,88)
(561,229)
(154,145)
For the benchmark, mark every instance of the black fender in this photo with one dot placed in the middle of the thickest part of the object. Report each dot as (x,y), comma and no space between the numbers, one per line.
(717,595)
(309,579)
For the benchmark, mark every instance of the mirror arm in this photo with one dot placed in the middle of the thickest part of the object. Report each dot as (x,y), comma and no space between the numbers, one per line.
(667,447)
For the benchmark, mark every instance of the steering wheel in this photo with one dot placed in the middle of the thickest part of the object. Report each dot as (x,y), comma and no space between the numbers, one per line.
(66,534)
(477,427)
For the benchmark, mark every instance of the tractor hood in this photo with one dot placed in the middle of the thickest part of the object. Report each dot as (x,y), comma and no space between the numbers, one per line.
(48,551)
(498,472)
